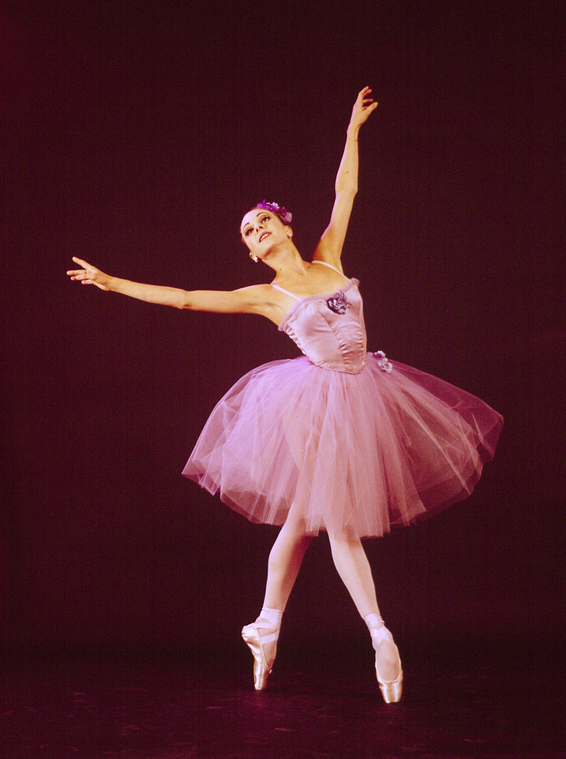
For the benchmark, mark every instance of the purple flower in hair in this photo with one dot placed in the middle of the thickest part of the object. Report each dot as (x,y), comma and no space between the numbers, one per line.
(285,215)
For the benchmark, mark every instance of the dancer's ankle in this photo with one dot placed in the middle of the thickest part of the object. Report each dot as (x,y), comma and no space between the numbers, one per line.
(273,616)
(374,621)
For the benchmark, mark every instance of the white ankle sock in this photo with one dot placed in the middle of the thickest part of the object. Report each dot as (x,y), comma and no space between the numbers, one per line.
(373,621)
(273,616)
(377,630)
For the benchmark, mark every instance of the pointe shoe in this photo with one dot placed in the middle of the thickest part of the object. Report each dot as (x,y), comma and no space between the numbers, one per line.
(391,690)
(255,641)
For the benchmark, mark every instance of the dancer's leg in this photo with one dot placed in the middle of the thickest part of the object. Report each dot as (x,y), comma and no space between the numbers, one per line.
(284,563)
(354,569)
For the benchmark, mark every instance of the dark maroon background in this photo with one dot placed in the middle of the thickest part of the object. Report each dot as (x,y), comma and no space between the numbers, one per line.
(135,135)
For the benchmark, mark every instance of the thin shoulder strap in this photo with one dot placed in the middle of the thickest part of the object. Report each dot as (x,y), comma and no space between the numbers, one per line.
(277,287)
(316,261)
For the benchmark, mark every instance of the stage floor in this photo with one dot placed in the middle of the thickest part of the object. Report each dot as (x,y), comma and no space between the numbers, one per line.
(488,702)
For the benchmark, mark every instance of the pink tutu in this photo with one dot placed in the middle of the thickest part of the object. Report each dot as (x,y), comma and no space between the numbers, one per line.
(359,451)
(356,449)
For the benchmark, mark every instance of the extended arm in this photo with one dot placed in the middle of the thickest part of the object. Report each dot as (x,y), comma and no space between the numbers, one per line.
(251,300)
(331,243)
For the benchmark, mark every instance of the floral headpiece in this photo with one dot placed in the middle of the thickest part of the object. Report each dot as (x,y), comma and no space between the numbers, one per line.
(285,215)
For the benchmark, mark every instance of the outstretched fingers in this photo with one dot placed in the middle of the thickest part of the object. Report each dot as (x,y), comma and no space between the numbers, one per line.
(88,275)
(80,261)
(364,106)
(80,275)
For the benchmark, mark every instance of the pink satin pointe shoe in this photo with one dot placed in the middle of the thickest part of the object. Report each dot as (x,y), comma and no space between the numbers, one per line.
(391,690)
(255,640)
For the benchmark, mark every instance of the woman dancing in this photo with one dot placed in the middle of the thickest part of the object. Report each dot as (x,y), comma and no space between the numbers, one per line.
(340,439)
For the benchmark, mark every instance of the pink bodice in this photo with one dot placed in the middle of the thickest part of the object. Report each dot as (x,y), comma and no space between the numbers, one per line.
(329,329)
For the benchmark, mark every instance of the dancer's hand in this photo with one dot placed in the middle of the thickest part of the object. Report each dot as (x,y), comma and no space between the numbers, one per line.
(89,275)
(363,107)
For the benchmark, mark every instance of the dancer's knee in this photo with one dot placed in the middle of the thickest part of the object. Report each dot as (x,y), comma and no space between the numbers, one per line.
(343,537)
(295,526)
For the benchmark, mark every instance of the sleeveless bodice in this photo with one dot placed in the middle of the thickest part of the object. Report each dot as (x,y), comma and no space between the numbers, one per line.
(329,329)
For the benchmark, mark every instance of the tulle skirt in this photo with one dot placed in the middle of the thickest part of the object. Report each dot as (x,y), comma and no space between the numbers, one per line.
(350,452)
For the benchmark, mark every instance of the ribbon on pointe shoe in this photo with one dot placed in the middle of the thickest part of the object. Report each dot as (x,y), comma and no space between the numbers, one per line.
(391,690)
(270,621)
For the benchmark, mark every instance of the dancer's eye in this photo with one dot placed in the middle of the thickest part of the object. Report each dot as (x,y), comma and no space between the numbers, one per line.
(265,218)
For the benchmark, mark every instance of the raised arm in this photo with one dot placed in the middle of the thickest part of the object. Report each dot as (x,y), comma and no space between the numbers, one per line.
(330,246)
(250,300)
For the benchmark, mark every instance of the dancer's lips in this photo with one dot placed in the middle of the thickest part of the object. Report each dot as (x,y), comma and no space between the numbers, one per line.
(264,235)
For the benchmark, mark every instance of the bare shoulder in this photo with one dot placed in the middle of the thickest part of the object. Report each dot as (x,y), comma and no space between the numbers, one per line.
(323,256)
(255,294)
(328,255)
(262,300)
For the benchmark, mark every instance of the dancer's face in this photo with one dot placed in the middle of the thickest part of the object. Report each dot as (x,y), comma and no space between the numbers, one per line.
(261,229)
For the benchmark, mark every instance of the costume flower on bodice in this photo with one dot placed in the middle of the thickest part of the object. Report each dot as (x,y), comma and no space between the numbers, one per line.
(338,303)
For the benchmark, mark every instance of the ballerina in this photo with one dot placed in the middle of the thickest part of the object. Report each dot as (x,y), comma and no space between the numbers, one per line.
(340,439)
